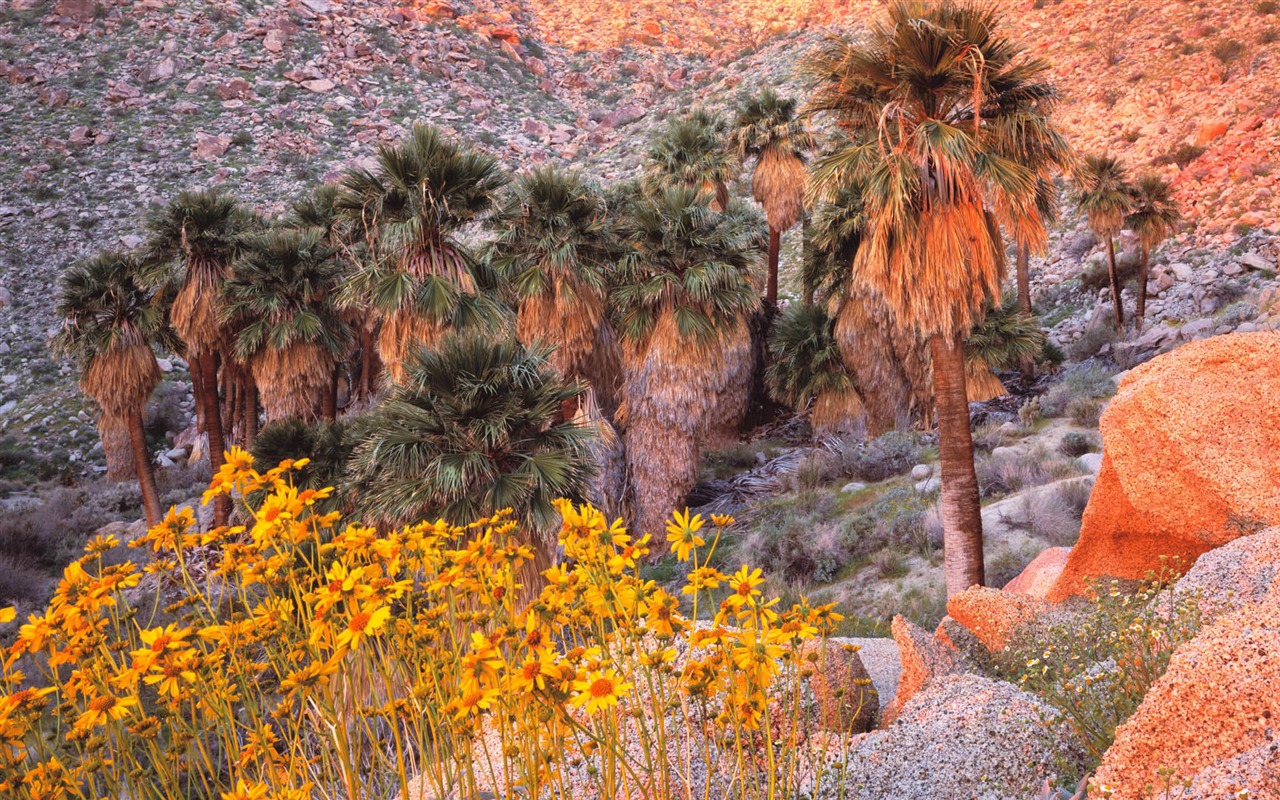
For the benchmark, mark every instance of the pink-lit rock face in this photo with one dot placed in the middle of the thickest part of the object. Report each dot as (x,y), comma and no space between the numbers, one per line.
(1219,699)
(993,615)
(1235,574)
(1189,460)
(1039,576)
(924,658)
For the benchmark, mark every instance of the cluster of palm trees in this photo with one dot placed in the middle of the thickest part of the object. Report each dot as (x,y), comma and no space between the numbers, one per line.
(1112,202)
(509,341)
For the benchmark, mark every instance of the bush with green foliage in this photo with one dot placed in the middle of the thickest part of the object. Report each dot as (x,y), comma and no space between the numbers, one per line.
(1075,444)
(1091,381)
(1096,664)
(890,454)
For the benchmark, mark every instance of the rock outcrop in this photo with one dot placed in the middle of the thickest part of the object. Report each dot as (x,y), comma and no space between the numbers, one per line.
(1188,464)
(963,737)
(924,658)
(845,699)
(993,615)
(1257,771)
(1219,699)
(1235,574)
(1038,577)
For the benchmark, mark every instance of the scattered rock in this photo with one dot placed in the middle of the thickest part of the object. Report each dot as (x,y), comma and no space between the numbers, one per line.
(848,488)
(1228,680)
(1210,131)
(208,147)
(1188,451)
(921,471)
(235,89)
(993,615)
(319,85)
(1090,462)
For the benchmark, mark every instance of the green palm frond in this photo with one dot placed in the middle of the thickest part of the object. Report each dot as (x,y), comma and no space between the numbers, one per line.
(1154,212)
(835,233)
(1103,193)
(282,292)
(691,151)
(105,304)
(207,226)
(1005,336)
(474,428)
(805,358)
(768,121)
(683,257)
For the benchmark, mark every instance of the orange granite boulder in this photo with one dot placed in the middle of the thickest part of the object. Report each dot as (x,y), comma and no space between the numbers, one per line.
(923,659)
(1038,577)
(1189,460)
(993,615)
(1218,701)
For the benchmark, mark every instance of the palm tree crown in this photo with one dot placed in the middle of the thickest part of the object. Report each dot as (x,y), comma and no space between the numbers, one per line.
(1103,193)
(692,152)
(768,129)
(1153,212)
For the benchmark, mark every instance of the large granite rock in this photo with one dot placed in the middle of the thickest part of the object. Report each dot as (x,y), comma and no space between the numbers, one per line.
(1189,460)
(994,615)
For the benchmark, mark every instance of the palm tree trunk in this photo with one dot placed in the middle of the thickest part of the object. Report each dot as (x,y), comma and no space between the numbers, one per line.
(1144,271)
(1115,283)
(771,290)
(115,448)
(197,393)
(806,253)
(329,399)
(213,423)
(231,386)
(1024,279)
(250,399)
(142,463)
(370,368)
(961,511)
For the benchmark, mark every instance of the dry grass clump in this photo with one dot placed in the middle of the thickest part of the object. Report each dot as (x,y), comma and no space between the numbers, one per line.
(1091,381)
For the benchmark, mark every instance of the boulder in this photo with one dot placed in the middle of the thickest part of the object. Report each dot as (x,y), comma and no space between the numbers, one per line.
(1234,575)
(1038,577)
(1210,131)
(993,615)
(1188,453)
(1256,770)
(845,700)
(1219,699)
(964,737)
(924,658)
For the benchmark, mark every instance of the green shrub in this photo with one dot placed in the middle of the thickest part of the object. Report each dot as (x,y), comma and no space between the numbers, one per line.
(1091,342)
(1096,664)
(1182,155)
(889,563)
(1228,50)
(1085,411)
(1076,444)
(883,457)
(1096,276)
(1083,381)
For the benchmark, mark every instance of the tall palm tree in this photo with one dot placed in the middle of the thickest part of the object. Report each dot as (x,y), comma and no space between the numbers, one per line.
(930,100)
(806,366)
(290,334)
(692,151)
(1153,216)
(110,323)
(888,362)
(192,243)
(555,246)
(768,129)
(684,295)
(474,427)
(421,279)
(1103,193)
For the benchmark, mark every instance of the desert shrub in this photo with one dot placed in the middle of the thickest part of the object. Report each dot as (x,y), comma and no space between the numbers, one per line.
(1085,381)
(1228,50)
(414,647)
(1096,275)
(1093,340)
(1085,411)
(1075,444)
(1054,516)
(1006,565)
(889,563)
(1011,473)
(885,456)
(1182,155)
(796,548)
(925,606)
(1237,313)
(1095,665)
(990,436)
(1266,7)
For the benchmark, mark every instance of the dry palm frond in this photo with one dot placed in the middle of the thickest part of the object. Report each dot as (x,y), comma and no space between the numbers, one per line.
(290,380)
(884,361)
(779,184)
(980,383)
(197,309)
(732,385)
(122,379)
(401,333)
(838,412)
(569,316)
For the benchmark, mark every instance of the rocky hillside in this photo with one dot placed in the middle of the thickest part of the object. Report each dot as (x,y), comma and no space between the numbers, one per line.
(112,106)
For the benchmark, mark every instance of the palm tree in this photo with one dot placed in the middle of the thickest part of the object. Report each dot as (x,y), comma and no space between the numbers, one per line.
(692,152)
(768,130)
(290,335)
(683,298)
(555,246)
(109,326)
(888,363)
(474,427)
(1153,216)
(326,445)
(420,278)
(930,101)
(1104,195)
(192,243)
(806,366)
